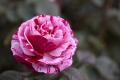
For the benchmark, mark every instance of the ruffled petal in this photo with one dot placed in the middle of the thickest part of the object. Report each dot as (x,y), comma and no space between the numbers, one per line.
(58,51)
(15,45)
(49,69)
(23,42)
(48,60)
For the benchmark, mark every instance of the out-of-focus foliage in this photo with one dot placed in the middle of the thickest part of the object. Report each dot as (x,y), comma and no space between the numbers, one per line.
(96,24)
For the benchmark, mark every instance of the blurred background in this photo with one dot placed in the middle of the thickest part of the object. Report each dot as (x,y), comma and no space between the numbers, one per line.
(96,23)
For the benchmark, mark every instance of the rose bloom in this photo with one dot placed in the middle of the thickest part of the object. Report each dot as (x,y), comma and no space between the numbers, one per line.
(46,43)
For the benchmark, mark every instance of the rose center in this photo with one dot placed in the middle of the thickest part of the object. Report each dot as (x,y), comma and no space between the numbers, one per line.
(41,44)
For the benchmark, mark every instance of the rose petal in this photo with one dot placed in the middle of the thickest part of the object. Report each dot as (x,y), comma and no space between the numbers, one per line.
(65,64)
(15,45)
(52,69)
(58,51)
(23,41)
(50,61)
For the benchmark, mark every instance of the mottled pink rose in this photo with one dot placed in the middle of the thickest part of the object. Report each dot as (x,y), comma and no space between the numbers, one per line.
(46,43)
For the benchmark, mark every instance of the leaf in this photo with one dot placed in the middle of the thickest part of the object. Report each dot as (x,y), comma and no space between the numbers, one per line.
(114,26)
(89,73)
(74,74)
(99,3)
(7,38)
(97,43)
(63,78)
(107,67)
(86,57)
(11,75)
(85,72)
(82,40)
(93,22)
(12,15)
(2,9)
(25,11)
(47,7)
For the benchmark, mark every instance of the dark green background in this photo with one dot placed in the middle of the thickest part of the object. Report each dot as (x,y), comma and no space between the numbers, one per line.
(96,23)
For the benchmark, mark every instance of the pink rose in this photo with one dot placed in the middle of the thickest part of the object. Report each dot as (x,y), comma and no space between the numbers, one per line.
(46,43)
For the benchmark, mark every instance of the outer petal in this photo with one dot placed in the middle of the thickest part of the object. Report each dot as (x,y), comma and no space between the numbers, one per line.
(52,68)
(65,64)
(16,49)
(22,39)
(69,52)
(15,45)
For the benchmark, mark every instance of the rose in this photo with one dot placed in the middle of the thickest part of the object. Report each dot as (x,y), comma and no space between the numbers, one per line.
(45,42)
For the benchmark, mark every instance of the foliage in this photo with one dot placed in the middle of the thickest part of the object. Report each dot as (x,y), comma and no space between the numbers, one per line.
(96,23)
